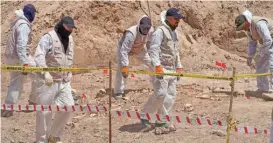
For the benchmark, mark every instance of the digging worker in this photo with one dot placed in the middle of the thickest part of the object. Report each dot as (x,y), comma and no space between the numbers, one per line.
(164,53)
(55,49)
(132,43)
(18,54)
(259,29)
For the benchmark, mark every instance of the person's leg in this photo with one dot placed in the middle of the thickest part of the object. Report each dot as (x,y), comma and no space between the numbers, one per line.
(46,95)
(164,127)
(119,80)
(14,91)
(33,77)
(155,102)
(170,98)
(271,129)
(269,96)
(64,97)
(262,67)
(145,59)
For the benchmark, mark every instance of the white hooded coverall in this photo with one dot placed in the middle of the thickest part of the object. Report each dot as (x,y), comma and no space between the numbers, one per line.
(131,43)
(164,52)
(261,30)
(50,53)
(17,54)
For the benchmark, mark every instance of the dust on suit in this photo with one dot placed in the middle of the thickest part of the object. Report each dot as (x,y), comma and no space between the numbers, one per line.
(17,53)
(261,30)
(132,43)
(50,52)
(164,52)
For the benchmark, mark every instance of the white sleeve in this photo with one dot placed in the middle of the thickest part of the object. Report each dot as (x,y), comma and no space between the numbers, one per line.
(44,46)
(264,33)
(125,48)
(154,48)
(22,43)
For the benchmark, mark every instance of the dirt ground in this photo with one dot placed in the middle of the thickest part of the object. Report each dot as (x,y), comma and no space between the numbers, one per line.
(253,112)
(207,35)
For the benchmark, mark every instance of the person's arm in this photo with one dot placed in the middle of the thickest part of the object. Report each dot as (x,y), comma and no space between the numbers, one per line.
(178,62)
(69,76)
(44,46)
(252,44)
(148,44)
(154,48)
(125,48)
(23,32)
(264,33)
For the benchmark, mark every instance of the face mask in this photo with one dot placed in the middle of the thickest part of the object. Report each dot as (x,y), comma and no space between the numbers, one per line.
(62,31)
(144,30)
(29,14)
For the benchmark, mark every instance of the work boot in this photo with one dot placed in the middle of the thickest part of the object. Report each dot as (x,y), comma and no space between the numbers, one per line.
(268,96)
(52,139)
(146,125)
(164,128)
(118,96)
(6,113)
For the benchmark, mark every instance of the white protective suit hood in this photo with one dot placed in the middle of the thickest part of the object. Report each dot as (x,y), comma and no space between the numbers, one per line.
(138,23)
(20,14)
(248,15)
(163,19)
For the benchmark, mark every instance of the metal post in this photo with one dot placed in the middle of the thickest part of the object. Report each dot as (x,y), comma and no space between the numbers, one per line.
(110,102)
(229,119)
(149,10)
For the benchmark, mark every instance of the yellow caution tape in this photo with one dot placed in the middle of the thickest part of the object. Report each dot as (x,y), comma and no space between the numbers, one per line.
(253,75)
(64,69)
(42,69)
(185,75)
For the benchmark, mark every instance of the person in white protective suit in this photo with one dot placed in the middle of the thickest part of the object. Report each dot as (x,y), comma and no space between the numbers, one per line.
(55,49)
(259,29)
(18,54)
(164,53)
(132,43)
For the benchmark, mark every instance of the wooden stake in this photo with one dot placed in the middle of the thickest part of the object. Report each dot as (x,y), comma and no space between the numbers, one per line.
(229,119)
(110,102)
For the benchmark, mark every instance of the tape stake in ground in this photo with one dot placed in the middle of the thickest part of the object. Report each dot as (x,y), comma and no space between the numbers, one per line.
(83,96)
(105,71)
(132,75)
(221,64)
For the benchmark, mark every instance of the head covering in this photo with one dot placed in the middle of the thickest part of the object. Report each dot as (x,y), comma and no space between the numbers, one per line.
(62,32)
(29,12)
(239,22)
(145,25)
(242,18)
(175,13)
(248,15)
(68,21)
(145,22)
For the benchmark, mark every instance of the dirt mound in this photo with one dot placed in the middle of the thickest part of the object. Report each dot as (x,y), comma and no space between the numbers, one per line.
(208,26)
(206,35)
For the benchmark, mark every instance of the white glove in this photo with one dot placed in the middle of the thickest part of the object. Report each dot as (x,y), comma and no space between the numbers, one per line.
(69,77)
(249,61)
(48,79)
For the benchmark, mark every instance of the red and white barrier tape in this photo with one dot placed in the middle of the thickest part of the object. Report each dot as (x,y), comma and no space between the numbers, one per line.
(132,114)
(189,120)
(73,108)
